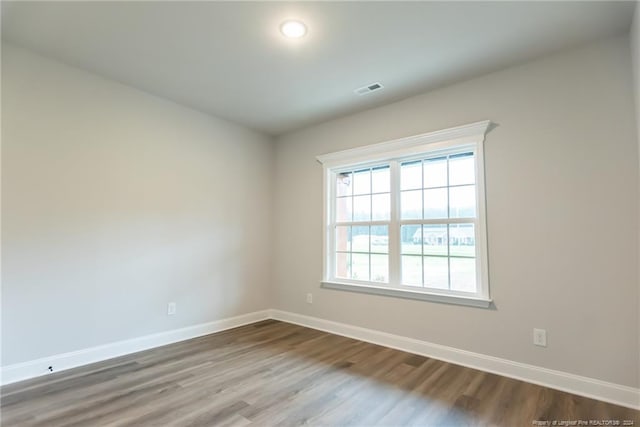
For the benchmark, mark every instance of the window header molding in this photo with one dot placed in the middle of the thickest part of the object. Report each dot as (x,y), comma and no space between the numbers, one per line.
(404,146)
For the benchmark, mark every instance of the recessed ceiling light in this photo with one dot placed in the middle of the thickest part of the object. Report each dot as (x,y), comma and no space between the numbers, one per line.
(293,29)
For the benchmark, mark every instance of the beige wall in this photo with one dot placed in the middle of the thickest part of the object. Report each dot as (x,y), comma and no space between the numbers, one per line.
(635,56)
(562,197)
(115,202)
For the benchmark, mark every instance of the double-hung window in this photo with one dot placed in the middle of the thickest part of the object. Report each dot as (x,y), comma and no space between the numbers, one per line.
(406,218)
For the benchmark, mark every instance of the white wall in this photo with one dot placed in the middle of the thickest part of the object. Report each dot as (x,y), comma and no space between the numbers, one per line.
(562,197)
(635,57)
(115,202)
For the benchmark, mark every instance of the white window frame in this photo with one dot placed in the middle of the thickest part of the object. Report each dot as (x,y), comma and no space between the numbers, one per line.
(467,137)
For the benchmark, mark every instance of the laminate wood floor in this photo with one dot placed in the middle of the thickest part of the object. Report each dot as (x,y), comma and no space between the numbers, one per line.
(275,373)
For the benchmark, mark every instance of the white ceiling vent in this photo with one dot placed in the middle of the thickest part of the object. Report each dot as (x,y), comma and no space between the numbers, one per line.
(368,88)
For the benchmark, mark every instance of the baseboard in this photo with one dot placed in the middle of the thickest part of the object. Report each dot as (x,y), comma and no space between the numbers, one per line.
(60,362)
(576,384)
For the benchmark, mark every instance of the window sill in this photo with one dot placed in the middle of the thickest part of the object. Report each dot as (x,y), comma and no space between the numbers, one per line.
(409,294)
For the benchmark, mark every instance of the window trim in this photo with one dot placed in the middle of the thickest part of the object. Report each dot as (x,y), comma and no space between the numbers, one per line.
(469,136)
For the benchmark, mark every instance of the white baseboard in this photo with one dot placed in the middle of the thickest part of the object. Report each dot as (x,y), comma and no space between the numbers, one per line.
(60,362)
(576,384)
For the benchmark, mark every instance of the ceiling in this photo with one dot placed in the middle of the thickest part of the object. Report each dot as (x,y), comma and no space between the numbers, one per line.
(229,59)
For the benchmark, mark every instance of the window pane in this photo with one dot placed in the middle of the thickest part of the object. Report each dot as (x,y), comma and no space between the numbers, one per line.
(436,272)
(462,169)
(360,239)
(362,182)
(462,201)
(343,208)
(435,172)
(412,270)
(411,204)
(381,206)
(462,240)
(411,238)
(343,184)
(343,265)
(435,203)
(380,239)
(463,274)
(360,266)
(381,180)
(379,268)
(362,208)
(435,240)
(343,238)
(411,175)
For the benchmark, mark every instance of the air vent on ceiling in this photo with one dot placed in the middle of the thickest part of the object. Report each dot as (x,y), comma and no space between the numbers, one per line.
(368,88)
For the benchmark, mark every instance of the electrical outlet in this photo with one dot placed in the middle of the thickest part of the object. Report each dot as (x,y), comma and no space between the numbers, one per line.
(309,298)
(171,309)
(540,337)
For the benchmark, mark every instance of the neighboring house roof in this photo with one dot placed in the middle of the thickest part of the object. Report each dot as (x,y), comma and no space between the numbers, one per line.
(454,232)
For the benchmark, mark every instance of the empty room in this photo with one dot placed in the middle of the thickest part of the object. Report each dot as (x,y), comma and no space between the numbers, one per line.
(320,213)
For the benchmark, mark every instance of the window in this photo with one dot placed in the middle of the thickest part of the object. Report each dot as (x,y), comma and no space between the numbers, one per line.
(363,216)
(406,218)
